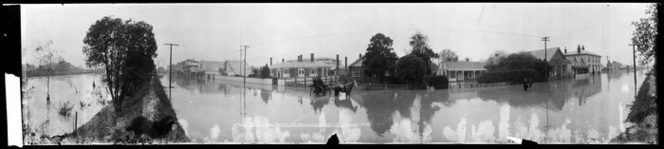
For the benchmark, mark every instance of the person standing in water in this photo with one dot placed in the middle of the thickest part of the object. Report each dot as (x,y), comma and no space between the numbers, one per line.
(525,84)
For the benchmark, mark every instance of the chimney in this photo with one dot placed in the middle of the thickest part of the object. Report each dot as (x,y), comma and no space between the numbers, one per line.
(578,48)
(583,48)
(312,57)
(565,50)
(270,61)
(360,55)
(346,62)
(282,60)
(337,62)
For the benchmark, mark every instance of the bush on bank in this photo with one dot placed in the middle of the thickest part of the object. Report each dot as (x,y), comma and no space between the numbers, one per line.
(510,76)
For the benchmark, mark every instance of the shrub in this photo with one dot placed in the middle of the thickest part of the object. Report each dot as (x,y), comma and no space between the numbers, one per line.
(438,82)
(510,76)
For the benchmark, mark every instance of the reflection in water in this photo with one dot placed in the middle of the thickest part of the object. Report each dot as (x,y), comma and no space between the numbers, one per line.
(345,104)
(547,113)
(318,103)
(265,95)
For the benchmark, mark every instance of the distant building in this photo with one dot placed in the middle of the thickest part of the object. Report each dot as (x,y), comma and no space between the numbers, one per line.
(234,68)
(556,59)
(301,67)
(188,65)
(460,71)
(212,67)
(356,68)
(612,66)
(584,61)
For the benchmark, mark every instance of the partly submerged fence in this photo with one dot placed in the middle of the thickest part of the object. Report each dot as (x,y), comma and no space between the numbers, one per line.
(306,81)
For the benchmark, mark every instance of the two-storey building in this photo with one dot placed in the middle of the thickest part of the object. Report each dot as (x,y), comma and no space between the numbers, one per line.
(583,62)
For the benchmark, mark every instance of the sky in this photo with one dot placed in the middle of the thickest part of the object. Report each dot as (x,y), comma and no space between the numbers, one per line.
(215,32)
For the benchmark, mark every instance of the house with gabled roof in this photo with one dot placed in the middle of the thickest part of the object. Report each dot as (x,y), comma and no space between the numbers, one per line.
(302,68)
(460,71)
(555,58)
(583,61)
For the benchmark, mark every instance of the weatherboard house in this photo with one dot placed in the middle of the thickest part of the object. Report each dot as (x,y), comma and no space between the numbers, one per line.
(300,67)
(460,71)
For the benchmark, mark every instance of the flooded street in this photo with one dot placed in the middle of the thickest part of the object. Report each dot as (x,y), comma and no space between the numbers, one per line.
(590,110)
(587,110)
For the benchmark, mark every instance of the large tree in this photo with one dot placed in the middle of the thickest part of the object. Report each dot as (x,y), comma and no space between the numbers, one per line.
(47,56)
(380,56)
(421,49)
(411,69)
(645,34)
(126,49)
(447,55)
(494,59)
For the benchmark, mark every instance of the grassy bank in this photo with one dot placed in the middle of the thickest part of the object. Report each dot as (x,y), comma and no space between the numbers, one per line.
(147,117)
(643,115)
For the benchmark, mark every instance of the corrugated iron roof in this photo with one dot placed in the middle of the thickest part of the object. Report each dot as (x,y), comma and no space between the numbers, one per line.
(582,52)
(304,64)
(357,63)
(463,65)
(539,54)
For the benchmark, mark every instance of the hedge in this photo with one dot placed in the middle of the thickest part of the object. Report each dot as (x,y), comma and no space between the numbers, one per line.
(438,82)
(511,76)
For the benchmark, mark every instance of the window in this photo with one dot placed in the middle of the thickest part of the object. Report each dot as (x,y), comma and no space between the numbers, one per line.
(300,72)
(356,73)
(312,72)
(279,73)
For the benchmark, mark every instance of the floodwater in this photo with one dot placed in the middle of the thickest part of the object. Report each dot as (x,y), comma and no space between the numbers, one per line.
(43,117)
(590,110)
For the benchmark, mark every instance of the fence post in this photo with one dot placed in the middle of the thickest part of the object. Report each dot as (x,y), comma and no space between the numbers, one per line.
(75,122)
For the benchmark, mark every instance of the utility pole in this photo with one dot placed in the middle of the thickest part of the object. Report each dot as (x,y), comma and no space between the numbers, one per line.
(170,68)
(634,60)
(245,64)
(546,72)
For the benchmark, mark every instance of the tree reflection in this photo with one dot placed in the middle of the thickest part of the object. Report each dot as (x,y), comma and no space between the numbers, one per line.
(265,95)
(382,105)
(318,103)
(552,95)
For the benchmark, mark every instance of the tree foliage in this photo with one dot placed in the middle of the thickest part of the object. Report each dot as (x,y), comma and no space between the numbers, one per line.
(126,49)
(448,55)
(421,49)
(47,56)
(495,58)
(411,69)
(380,56)
(645,34)
(265,71)
(519,61)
